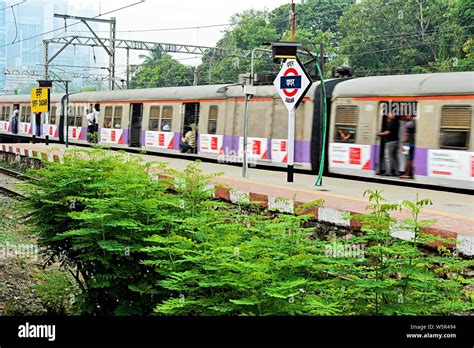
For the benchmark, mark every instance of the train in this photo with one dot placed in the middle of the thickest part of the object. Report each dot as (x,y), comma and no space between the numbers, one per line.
(156,119)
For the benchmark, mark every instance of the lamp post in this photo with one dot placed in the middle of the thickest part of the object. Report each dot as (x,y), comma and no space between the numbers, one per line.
(249,91)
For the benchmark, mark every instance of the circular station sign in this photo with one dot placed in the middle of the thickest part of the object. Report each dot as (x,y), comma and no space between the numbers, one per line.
(292,83)
(290,72)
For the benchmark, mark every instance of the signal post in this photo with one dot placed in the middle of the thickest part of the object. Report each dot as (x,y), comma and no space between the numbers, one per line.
(292,83)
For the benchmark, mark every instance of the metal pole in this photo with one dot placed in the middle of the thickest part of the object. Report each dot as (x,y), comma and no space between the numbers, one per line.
(112,55)
(46,118)
(46,123)
(321,105)
(246,114)
(291,145)
(292,14)
(195,76)
(46,59)
(66,113)
(210,71)
(128,68)
(245,173)
(246,130)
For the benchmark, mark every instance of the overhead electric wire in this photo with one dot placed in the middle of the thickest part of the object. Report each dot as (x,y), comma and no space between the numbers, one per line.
(164,29)
(18,3)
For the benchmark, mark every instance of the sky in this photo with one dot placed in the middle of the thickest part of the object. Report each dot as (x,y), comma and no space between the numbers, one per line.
(153,14)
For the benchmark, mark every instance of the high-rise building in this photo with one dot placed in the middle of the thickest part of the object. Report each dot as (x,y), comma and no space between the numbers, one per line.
(3,44)
(21,44)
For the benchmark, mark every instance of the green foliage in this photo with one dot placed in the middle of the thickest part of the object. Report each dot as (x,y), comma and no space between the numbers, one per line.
(92,213)
(380,37)
(375,37)
(134,246)
(241,265)
(161,71)
(396,277)
(250,29)
(57,291)
(89,89)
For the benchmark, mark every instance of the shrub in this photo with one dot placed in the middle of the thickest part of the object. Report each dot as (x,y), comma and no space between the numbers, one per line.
(135,247)
(92,213)
(57,291)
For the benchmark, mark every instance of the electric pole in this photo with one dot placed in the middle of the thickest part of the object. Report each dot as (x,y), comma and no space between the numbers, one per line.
(292,20)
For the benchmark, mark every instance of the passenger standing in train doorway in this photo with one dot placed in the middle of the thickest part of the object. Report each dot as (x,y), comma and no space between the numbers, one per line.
(189,141)
(90,126)
(409,146)
(96,113)
(390,135)
(14,119)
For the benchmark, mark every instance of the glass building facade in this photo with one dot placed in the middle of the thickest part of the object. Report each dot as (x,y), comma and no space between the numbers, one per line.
(21,45)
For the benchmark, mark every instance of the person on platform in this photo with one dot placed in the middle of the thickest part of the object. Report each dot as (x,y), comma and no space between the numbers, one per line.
(390,136)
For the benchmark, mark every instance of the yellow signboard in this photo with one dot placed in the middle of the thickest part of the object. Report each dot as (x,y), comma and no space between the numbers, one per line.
(39,100)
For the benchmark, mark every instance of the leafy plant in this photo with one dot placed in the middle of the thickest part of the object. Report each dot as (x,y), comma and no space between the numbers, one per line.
(397,277)
(57,291)
(92,213)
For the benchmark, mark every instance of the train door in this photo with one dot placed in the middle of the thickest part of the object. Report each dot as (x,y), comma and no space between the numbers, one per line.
(191,123)
(401,154)
(136,116)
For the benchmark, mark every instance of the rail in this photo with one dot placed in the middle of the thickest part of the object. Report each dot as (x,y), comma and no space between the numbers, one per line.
(8,186)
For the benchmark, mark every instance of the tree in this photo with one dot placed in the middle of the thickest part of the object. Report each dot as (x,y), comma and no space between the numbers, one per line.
(312,15)
(250,29)
(379,37)
(160,70)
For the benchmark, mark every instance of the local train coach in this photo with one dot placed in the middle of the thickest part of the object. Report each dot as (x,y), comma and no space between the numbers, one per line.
(358,109)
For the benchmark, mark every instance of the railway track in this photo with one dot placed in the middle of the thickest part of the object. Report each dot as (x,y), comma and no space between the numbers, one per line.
(10,182)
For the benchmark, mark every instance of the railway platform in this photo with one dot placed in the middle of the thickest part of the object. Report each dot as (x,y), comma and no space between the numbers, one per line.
(452,212)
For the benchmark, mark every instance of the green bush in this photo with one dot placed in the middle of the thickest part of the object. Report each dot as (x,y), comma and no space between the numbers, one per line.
(57,291)
(136,247)
(92,213)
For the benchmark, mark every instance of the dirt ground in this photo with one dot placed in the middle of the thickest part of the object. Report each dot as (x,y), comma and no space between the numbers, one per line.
(19,264)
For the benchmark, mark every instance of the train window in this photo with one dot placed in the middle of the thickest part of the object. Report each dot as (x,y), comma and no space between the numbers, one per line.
(346,123)
(455,127)
(79,116)
(154,121)
(23,114)
(5,115)
(166,118)
(212,123)
(108,117)
(117,117)
(52,115)
(71,114)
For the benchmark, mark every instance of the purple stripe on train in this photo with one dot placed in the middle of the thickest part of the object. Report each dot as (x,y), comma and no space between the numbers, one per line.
(420,164)
(302,148)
